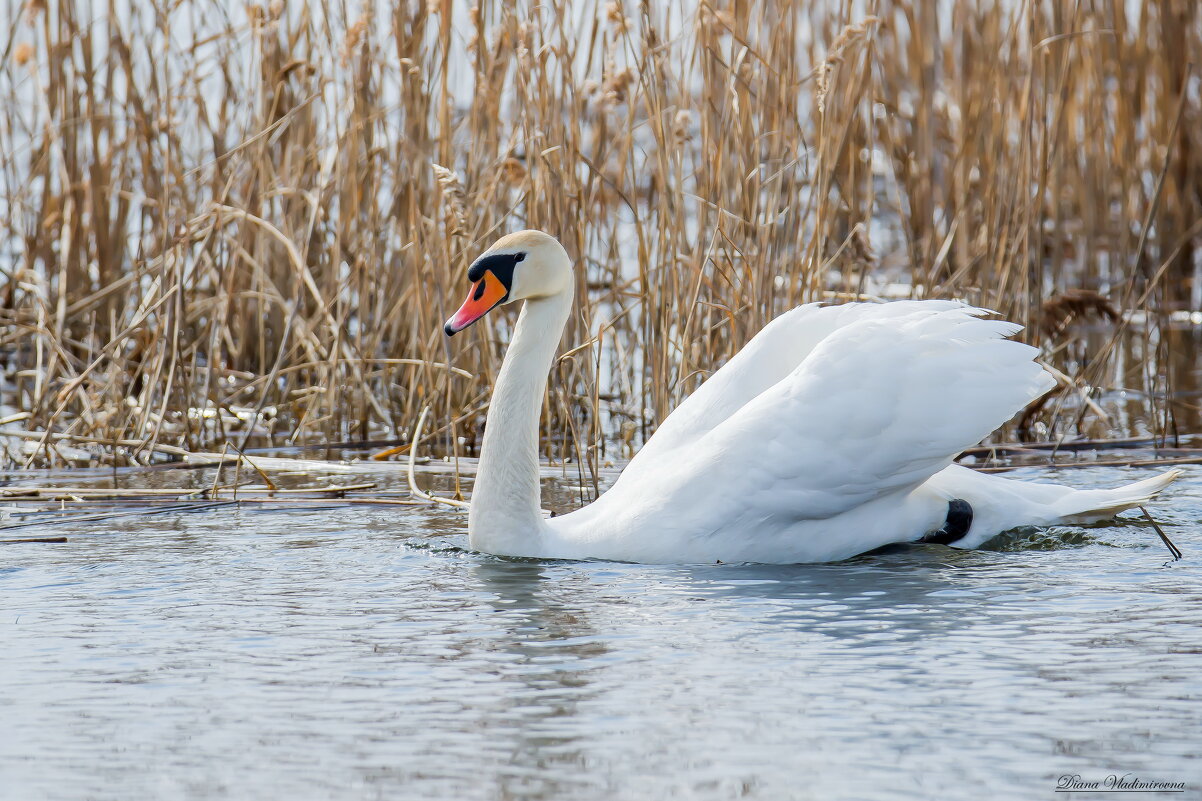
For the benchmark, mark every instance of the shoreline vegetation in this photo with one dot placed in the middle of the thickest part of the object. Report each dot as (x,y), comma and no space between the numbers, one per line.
(228,230)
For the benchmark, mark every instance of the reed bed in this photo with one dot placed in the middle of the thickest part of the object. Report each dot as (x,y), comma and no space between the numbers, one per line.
(247,225)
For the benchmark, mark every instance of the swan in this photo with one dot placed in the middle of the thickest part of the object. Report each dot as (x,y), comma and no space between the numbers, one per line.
(830,434)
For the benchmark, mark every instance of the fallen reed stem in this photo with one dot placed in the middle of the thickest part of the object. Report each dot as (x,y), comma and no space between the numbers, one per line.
(1173,549)
(413,488)
(87,518)
(33,539)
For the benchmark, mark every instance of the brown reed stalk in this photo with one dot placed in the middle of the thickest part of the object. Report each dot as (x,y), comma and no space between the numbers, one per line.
(247,226)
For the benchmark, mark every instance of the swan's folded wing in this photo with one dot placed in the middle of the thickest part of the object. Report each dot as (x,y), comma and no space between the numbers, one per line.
(773,354)
(876,407)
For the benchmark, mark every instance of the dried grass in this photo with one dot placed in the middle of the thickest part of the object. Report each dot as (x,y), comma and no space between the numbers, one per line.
(248,225)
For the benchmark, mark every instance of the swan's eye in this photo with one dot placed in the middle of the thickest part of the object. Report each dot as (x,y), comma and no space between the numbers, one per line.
(501,265)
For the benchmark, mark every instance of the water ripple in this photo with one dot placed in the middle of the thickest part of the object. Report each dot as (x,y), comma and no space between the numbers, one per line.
(365,653)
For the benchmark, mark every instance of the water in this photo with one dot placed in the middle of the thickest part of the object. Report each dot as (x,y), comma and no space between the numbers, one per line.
(363,652)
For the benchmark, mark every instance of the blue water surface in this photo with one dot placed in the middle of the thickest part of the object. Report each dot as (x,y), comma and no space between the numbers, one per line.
(363,652)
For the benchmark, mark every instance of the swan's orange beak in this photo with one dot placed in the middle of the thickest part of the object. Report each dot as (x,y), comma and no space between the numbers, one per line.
(482,297)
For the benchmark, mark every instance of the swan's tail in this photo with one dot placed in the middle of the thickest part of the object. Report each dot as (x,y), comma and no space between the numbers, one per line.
(1087,506)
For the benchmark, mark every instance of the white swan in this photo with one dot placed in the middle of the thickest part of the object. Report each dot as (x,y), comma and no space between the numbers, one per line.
(830,434)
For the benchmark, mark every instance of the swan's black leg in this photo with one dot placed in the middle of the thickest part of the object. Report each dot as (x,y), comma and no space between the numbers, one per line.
(959,520)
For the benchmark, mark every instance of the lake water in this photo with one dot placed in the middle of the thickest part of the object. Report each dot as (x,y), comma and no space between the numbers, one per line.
(362,652)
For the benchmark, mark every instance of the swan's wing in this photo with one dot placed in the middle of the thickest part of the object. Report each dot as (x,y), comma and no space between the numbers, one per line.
(877,406)
(769,357)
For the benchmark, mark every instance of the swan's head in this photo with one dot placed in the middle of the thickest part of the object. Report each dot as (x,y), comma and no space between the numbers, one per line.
(520,266)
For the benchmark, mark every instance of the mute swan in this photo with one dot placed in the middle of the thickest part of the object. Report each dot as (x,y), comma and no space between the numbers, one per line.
(830,434)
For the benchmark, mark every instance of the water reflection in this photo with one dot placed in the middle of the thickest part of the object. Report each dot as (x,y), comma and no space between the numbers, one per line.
(551,652)
(898,594)
(358,652)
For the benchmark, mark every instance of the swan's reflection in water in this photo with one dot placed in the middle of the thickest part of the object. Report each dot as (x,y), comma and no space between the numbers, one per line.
(572,689)
(550,650)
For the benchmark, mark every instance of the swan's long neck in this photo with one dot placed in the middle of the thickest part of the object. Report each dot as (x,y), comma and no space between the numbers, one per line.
(505,516)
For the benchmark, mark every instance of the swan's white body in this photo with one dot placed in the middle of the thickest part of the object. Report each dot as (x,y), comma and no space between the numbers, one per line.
(830,434)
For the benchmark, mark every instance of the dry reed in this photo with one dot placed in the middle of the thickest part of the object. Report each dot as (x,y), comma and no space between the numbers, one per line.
(247,225)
